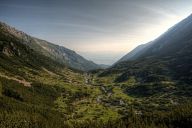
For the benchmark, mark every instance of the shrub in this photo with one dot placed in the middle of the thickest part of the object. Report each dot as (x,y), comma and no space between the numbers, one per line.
(13,94)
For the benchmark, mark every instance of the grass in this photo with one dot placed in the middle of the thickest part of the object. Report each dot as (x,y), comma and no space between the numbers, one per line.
(66,94)
(119,94)
(95,111)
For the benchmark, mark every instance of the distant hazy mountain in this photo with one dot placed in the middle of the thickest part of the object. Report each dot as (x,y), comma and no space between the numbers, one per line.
(103,66)
(167,57)
(58,53)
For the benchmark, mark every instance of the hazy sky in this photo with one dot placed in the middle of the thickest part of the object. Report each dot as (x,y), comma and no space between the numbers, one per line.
(100,30)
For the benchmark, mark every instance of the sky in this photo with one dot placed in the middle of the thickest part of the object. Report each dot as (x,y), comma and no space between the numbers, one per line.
(100,30)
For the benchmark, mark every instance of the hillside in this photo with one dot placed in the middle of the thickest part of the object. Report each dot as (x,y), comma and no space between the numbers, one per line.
(172,42)
(167,57)
(57,53)
(135,53)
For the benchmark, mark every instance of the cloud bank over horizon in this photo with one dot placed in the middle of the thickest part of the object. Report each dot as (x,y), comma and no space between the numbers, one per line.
(100,30)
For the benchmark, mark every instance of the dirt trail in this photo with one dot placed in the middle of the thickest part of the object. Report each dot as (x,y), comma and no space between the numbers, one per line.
(24,82)
(49,72)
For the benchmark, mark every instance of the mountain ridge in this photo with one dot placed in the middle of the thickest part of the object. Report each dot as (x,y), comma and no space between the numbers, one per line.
(58,53)
(132,55)
(171,35)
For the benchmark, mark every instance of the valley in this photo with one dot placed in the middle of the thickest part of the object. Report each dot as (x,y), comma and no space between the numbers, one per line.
(43,85)
(69,98)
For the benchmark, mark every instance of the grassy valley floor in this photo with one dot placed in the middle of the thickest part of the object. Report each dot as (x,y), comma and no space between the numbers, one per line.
(77,99)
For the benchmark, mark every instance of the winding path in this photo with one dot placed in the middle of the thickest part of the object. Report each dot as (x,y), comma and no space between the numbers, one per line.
(24,82)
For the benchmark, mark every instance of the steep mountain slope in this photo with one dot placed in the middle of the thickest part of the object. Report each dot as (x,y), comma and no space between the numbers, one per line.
(58,53)
(167,57)
(15,55)
(171,42)
(175,41)
(135,52)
